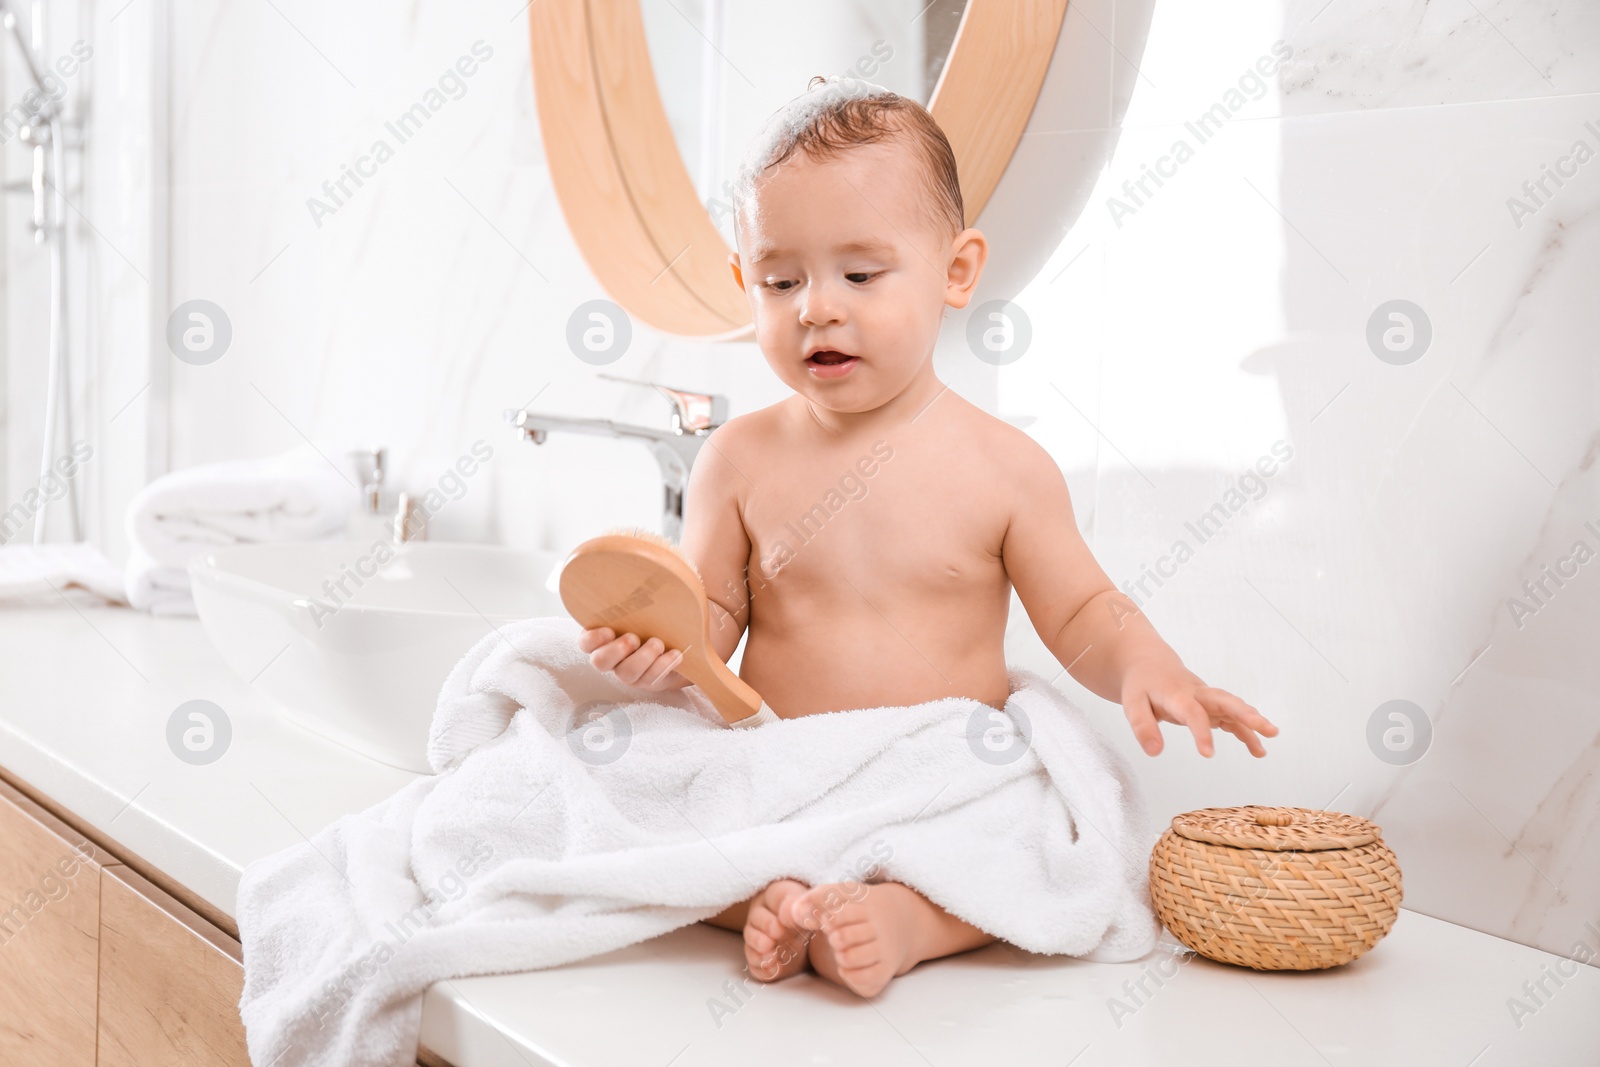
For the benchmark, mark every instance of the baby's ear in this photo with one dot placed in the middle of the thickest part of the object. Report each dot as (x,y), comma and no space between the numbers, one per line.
(738,275)
(971,252)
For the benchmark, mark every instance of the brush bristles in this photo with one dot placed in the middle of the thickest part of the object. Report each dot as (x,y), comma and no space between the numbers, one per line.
(650,535)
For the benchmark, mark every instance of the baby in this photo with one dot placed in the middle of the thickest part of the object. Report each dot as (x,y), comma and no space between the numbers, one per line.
(868,530)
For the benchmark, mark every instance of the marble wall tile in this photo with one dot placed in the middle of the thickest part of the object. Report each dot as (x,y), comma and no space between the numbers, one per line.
(1227,313)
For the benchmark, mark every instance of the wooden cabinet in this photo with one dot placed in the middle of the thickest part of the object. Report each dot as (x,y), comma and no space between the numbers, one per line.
(169,981)
(100,967)
(49,938)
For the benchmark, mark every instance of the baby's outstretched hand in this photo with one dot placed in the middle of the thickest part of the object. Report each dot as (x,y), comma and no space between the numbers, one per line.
(1167,693)
(647,665)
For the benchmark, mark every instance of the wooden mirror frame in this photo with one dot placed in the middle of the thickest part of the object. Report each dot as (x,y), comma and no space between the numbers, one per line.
(627,195)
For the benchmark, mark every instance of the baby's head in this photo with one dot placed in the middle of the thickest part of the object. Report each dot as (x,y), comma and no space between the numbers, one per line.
(850,237)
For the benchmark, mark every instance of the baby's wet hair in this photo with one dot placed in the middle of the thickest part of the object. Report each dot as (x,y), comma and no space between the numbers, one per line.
(840,112)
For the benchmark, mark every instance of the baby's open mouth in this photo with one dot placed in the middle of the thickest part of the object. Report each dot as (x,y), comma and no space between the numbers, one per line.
(828,364)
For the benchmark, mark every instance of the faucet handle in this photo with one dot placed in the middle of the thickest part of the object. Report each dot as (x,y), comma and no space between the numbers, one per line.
(691,412)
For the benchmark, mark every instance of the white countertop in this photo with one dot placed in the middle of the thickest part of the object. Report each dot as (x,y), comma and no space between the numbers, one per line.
(86,699)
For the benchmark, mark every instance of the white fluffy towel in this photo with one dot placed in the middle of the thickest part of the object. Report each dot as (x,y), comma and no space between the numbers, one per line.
(540,842)
(301,495)
(52,572)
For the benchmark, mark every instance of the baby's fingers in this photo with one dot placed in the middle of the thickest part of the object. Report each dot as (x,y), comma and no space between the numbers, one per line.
(661,674)
(589,640)
(1220,700)
(1247,735)
(643,668)
(1189,711)
(614,653)
(1238,718)
(1136,706)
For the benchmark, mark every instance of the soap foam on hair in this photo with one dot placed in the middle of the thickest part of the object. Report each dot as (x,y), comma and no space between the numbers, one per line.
(813,116)
(787,122)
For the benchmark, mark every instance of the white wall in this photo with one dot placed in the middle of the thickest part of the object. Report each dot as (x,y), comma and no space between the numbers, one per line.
(1227,313)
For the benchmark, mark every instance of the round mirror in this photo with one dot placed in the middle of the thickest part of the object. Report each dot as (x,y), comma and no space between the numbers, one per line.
(630,189)
(723,68)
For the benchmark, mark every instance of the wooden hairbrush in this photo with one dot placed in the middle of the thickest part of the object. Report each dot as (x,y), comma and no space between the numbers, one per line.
(637,582)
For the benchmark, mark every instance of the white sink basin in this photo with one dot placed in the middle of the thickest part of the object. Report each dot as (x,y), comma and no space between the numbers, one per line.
(363,663)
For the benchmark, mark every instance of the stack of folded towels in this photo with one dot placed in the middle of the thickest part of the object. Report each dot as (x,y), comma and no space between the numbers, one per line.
(301,495)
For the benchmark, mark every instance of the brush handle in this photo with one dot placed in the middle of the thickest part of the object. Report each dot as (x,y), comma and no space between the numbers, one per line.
(731,695)
(760,718)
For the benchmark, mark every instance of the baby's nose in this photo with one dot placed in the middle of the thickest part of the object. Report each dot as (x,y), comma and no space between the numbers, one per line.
(821,306)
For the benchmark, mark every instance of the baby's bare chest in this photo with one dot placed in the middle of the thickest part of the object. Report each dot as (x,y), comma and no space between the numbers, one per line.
(876,521)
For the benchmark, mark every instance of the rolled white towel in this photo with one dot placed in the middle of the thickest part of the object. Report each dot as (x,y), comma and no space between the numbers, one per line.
(303,494)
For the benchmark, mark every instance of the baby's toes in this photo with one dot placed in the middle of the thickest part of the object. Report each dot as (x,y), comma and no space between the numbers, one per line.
(761,920)
(772,949)
(772,907)
(860,968)
(758,939)
(764,938)
(856,946)
(864,947)
(766,964)
(816,908)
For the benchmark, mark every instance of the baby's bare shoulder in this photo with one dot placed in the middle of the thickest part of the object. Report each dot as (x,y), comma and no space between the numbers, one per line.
(753,423)
(1006,449)
(738,449)
(745,434)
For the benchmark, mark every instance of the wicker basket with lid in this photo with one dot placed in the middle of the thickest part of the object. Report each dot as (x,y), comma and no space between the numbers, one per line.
(1276,889)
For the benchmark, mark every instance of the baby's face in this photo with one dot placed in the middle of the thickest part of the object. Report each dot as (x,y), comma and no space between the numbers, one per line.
(845,255)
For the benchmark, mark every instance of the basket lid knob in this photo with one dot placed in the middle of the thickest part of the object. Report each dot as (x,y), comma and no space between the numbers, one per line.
(1273,818)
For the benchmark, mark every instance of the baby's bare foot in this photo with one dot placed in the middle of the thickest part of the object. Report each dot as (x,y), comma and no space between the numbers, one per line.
(772,948)
(866,938)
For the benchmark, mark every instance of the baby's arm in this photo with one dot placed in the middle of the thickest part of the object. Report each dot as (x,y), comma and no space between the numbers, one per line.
(1097,632)
(714,539)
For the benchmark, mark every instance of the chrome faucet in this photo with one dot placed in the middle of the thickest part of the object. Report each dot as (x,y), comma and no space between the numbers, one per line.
(694,416)
(371,464)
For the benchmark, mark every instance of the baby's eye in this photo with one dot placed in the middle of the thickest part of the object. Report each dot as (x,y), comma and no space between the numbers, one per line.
(860,276)
(782,285)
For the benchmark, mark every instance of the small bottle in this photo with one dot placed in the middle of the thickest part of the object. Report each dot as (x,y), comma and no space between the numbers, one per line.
(410,521)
